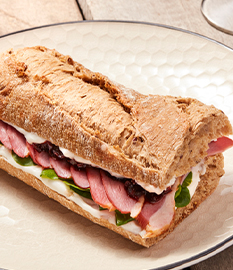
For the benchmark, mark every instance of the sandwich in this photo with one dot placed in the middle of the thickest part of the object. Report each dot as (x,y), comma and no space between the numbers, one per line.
(136,164)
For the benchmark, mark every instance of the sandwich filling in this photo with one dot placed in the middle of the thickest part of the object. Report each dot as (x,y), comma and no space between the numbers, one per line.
(103,194)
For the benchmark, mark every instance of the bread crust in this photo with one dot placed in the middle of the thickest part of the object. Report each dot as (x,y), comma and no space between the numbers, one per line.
(118,129)
(208,183)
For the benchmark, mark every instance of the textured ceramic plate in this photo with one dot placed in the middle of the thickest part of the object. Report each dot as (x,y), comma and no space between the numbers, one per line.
(38,233)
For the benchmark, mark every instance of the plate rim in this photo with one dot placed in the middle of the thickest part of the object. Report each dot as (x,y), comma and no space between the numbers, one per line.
(208,253)
(118,21)
(212,251)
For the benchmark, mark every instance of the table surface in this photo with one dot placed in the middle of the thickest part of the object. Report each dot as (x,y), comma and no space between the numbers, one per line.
(186,14)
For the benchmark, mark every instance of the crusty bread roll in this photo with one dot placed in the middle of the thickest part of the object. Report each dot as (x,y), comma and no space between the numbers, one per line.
(150,139)
(93,117)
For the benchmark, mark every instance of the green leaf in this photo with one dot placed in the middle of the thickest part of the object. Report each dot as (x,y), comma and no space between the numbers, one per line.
(27,161)
(188,180)
(102,208)
(178,191)
(81,191)
(122,219)
(184,198)
(49,173)
(182,195)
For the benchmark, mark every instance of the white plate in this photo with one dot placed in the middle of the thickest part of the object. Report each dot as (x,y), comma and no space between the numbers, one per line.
(38,233)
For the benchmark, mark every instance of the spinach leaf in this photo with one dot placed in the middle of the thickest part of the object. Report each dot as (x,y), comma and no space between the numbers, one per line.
(49,173)
(182,195)
(122,219)
(27,161)
(102,208)
(184,198)
(188,180)
(178,191)
(81,191)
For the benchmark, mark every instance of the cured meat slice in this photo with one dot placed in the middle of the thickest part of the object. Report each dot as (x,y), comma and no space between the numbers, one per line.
(157,217)
(43,159)
(31,152)
(61,167)
(18,142)
(117,194)
(4,136)
(219,146)
(80,177)
(137,208)
(147,211)
(97,189)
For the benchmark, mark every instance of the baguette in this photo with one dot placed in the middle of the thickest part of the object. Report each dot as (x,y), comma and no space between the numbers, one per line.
(153,139)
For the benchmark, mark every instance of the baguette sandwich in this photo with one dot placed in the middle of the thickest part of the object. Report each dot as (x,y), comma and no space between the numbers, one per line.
(136,164)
